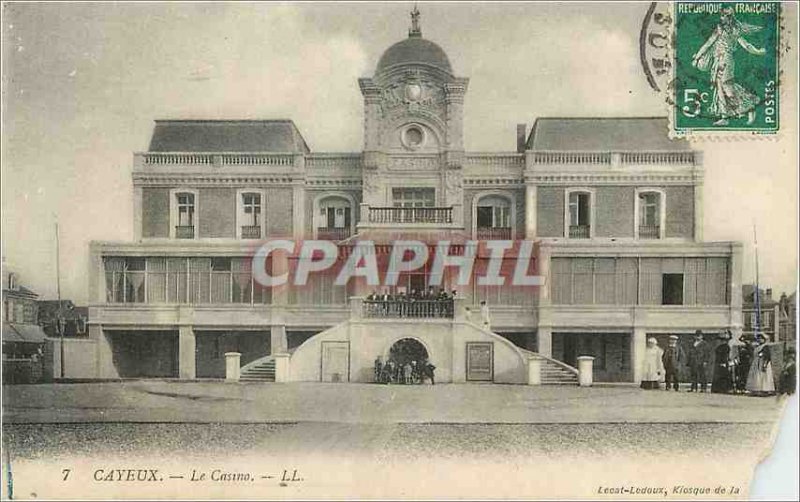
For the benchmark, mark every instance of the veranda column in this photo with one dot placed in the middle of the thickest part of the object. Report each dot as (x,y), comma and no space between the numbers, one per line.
(104,362)
(530,212)
(279,344)
(545,341)
(638,346)
(186,353)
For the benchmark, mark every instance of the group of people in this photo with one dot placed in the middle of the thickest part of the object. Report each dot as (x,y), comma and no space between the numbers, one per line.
(406,373)
(744,367)
(432,302)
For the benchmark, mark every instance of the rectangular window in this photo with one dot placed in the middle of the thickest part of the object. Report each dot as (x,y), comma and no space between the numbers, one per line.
(250,218)
(649,217)
(251,207)
(579,208)
(414,197)
(579,215)
(185,222)
(672,289)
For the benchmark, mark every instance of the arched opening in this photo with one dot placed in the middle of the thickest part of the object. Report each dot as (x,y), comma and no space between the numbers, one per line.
(334,218)
(407,350)
(493,217)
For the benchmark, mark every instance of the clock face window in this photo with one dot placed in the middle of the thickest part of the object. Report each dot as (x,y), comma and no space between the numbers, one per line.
(413,137)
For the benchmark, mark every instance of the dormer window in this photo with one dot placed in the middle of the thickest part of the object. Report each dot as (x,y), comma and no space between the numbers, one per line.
(650,214)
(251,215)
(578,214)
(184,214)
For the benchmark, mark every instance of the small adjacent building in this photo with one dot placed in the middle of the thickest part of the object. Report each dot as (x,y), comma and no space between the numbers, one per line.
(23,339)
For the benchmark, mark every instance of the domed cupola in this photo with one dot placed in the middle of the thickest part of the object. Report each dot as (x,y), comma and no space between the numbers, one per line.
(414,50)
(414,102)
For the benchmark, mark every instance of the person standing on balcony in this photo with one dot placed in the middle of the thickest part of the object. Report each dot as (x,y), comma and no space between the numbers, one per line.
(486,322)
(672,360)
(653,366)
(699,356)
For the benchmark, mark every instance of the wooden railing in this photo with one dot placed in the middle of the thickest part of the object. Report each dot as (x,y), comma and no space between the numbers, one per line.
(579,231)
(251,231)
(494,234)
(408,308)
(334,160)
(649,231)
(333,234)
(657,158)
(184,232)
(411,214)
(572,157)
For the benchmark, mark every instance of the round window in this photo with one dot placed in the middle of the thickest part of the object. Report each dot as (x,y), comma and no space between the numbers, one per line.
(413,137)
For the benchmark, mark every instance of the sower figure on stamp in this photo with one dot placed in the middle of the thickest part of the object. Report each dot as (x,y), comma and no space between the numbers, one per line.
(716,56)
(674,356)
(699,356)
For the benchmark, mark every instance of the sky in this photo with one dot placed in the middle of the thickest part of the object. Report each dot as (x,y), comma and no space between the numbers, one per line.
(83,83)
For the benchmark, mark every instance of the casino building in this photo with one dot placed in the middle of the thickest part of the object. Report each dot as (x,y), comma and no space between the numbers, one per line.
(615,209)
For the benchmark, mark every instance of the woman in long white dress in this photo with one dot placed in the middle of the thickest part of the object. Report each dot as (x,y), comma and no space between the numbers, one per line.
(652,366)
(760,381)
(729,99)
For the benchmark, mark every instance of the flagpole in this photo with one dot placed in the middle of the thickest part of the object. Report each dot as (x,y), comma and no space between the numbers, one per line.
(58,289)
(757,293)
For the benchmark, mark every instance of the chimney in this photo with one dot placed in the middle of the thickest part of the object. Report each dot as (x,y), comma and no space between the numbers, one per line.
(768,295)
(521,139)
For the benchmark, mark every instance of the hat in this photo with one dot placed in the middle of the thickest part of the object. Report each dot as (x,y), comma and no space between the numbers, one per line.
(652,340)
(673,337)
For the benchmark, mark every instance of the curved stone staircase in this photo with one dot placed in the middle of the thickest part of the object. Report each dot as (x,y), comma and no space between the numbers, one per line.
(554,372)
(260,370)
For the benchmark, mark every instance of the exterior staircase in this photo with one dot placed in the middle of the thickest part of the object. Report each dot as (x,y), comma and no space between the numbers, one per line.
(555,372)
(260,370)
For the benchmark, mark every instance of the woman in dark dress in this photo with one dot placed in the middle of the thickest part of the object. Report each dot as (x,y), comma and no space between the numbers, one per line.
(721,382)
(745,359)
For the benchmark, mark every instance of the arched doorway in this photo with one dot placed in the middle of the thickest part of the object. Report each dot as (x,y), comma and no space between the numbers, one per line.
(407,350)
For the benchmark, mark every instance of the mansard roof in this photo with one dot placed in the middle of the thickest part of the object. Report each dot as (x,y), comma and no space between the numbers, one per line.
(227,136)
(626,134)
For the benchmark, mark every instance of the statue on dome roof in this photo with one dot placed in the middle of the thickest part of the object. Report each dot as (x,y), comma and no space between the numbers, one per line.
(415,30)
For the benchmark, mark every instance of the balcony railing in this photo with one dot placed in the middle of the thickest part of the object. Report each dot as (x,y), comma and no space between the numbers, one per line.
(494,234)
(333,234)
(579,231)
(411,214)
(408,308)
(649,231)
(251,231)
(184,232)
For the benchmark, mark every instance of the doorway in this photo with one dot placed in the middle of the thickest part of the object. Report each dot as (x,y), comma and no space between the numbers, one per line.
(407,350)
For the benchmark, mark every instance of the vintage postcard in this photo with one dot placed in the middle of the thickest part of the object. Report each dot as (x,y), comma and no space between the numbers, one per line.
(339,250)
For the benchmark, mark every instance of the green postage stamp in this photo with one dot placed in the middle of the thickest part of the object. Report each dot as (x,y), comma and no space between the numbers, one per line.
(726,74)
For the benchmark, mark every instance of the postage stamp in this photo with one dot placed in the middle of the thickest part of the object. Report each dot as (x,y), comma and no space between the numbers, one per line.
(726,67)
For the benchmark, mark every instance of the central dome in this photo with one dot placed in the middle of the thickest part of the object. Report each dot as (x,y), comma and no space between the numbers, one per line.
(414,50)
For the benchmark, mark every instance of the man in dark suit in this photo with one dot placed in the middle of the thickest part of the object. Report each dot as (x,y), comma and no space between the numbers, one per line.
(673,358)
(699,357)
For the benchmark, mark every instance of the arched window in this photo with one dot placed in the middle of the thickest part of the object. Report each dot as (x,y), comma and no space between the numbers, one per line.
(579,213)
(494,217)
(334,218)
(650,213)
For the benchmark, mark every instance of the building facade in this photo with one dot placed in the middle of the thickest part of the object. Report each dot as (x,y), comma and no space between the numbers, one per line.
(613,205)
